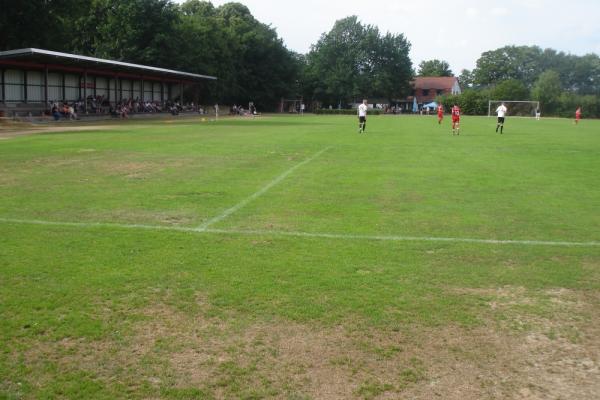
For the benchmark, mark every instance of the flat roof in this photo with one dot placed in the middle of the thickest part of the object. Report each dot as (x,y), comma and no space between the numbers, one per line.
(42,56)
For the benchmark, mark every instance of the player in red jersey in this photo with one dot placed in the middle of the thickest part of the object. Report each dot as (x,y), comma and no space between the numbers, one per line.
(577,115)
(455,120)
(440,111)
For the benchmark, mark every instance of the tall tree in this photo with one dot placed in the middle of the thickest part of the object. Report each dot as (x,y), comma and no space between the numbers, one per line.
(39,23)
(142,31)
(434,68)
(511,62)
(260,68)
(547,90)
(466,78)
(584,77)
(511,89)
(354,60)
(392,69)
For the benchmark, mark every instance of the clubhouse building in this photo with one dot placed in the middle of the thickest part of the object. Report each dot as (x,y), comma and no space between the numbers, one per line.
(31,80)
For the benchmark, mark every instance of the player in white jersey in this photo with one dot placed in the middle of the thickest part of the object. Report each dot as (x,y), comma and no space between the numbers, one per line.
(362,116)
(501,111)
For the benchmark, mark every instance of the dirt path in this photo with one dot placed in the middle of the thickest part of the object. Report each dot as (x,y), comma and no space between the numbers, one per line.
(11,131)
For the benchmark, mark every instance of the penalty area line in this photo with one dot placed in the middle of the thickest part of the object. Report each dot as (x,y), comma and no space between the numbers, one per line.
(262,191)
(97,225)
(400,238)
(317,235)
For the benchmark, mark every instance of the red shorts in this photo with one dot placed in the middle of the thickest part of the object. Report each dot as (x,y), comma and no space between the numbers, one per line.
(455,119)
(440,116)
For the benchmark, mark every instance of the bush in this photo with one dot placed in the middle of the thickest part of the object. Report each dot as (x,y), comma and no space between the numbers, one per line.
(568,103)
(326,111)
(471,102)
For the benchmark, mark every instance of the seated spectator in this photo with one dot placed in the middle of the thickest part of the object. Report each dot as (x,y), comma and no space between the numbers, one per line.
(54,112)
(71,113)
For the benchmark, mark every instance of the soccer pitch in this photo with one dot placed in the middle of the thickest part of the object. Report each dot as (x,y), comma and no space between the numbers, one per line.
(293,258)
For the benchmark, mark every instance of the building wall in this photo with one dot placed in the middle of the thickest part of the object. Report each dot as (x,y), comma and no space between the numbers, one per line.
(28,86)
(14,89)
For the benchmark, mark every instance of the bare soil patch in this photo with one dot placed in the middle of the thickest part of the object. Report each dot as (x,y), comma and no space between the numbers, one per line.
(233,357)
(9,131)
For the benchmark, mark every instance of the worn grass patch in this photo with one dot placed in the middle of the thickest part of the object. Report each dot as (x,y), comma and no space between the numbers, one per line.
(102,311)
(169,352)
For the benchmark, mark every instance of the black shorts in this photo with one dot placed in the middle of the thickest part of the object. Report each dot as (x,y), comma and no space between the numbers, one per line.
(500,120)
(362,119)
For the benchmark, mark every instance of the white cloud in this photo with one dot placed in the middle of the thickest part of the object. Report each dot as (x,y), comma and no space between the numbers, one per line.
(533,4)
(499,11)
(472,12)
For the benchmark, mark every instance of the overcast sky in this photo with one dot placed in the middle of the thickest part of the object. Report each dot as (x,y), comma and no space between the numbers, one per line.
(457,31)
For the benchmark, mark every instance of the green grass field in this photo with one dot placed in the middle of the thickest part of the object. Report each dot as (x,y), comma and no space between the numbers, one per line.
(292,258)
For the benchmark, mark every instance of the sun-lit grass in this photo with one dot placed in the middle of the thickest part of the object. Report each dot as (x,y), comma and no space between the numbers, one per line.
(114,312)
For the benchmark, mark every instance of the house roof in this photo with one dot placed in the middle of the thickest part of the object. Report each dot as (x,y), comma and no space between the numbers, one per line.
(434,82)
(45,56)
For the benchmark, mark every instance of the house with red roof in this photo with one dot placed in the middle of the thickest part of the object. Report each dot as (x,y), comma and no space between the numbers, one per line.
(426,88)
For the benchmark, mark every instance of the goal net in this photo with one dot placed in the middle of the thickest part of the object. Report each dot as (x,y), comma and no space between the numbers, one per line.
(515,108)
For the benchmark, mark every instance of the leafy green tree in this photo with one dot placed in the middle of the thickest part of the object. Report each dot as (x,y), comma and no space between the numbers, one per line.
(391,67)
(466,78)
(434,68)
(198,8)
(585,75)
(547,90)
(511,89)
(354,60)
(39,23)
(334,62)
(259,67)
(511,62)
(247,56)
(141,31)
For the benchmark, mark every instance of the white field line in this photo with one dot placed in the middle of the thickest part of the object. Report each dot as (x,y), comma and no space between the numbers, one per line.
(262,191)
(390,238)
(400,238)
(97,225)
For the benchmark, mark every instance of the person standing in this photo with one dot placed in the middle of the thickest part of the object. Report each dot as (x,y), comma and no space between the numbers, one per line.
(216,111)
(577,115)
(455,120)
(440,113)
(501,111)
(362,116)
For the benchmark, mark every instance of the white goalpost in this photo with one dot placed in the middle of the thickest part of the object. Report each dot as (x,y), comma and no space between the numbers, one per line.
(519,108)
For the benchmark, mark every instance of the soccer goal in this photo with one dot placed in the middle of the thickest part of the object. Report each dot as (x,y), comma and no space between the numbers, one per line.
(515,107)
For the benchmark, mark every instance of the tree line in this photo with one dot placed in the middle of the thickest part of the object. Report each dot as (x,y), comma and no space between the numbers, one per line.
(250,60)
(561,82)
(351,61)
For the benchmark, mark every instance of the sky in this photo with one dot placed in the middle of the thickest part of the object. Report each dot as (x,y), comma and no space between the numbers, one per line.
(457,31)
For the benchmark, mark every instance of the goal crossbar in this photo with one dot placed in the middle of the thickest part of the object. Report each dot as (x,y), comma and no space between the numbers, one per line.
(532,102)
